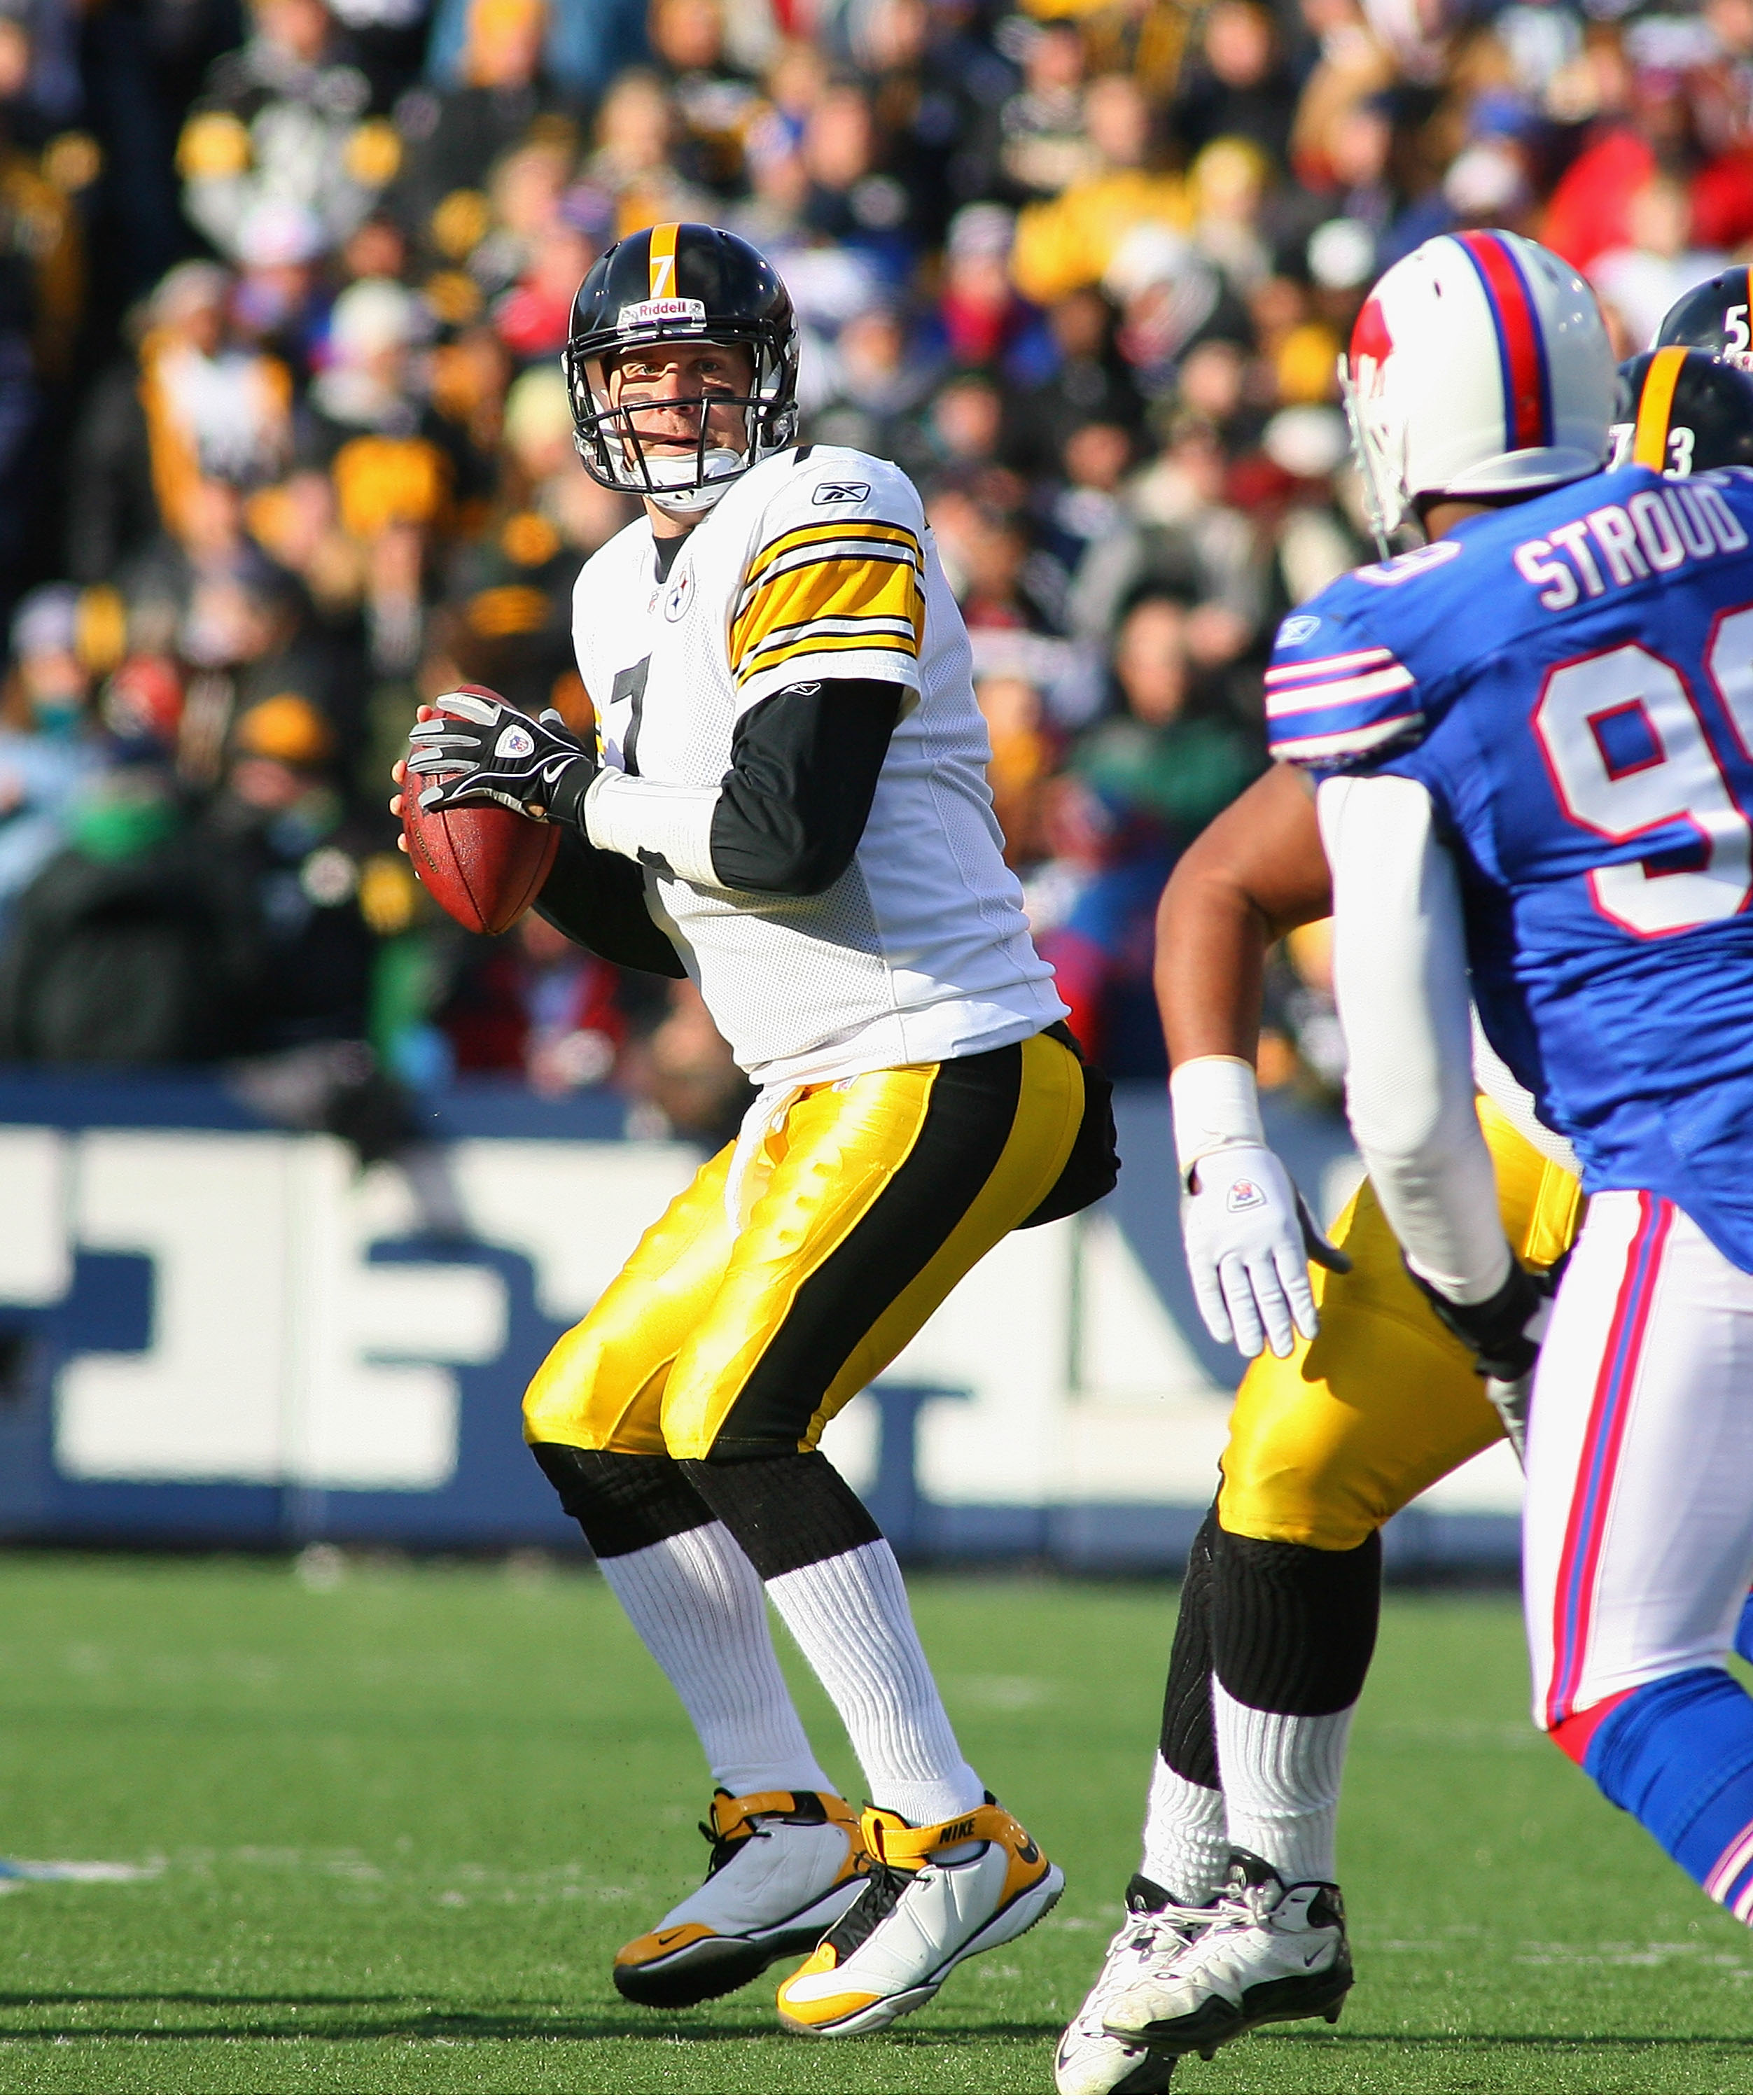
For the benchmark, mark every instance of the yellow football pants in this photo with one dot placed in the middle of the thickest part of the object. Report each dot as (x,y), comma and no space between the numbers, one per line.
(1328,1443)
(877,1195)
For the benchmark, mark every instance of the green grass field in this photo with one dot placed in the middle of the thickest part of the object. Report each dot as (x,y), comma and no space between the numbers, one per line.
(395,1828)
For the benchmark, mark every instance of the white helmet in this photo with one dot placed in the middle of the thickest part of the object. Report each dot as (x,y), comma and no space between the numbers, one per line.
(1479,366)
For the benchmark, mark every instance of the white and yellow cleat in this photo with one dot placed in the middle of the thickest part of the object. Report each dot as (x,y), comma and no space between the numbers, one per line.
(918,1916)
(784,1867)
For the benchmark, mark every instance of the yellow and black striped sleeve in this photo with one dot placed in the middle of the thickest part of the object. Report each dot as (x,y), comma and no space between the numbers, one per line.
(844,599)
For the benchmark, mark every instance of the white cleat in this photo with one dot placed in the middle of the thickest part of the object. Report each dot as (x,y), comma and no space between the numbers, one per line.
(784,1866)
(1269,1953)
(1090,2059)
(918,1918)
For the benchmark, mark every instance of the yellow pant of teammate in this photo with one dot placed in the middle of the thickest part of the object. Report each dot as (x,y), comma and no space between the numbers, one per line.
(1328,1443)
(872,1199)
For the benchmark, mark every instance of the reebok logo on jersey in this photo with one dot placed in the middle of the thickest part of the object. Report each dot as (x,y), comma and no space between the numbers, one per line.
(842,491)
(1244,1196)
(1302,628)
(514,742)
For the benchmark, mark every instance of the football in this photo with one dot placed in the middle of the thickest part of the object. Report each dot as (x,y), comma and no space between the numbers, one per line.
(485,864)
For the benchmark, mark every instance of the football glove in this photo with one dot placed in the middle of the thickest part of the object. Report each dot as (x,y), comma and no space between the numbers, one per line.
(1504,1332)
(1250,1240)
(536,767)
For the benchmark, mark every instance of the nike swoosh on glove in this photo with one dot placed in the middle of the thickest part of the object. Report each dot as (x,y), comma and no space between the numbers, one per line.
(1250,1240)
(535,767)
(1504,1332)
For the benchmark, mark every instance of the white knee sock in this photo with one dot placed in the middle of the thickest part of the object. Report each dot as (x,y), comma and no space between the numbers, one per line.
(1186,1845)
(1281,1777)
(698,1606)
(850,1615)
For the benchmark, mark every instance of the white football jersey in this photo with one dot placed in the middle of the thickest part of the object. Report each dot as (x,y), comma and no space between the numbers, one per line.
(818,564)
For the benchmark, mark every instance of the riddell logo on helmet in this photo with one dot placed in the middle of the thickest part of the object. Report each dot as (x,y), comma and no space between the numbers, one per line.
(652,313)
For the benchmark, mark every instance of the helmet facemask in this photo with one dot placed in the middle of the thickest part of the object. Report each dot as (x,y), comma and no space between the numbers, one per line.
(619,455)
(1378,443)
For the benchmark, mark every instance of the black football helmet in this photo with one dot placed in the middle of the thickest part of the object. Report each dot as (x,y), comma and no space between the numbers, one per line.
(1683,412)
(1714,316)
(674,284)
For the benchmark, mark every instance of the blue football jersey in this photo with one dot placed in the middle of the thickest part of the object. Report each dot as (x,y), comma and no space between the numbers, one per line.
(1571,680)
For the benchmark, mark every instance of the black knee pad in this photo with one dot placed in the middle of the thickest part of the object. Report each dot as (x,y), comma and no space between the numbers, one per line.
(622,1500)
(1293,1628)
(786,1512)
(1189,1742)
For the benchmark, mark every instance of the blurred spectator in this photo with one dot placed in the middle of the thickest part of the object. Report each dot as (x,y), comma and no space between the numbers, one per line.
(1043,146)
(1639,282)
(1234,84)
(280,123)
(131,946)
(1163,756)
(684,1075)
(46,750)
(1092,906)
(1071,240)
(638,162)
(537,1007)
(192,410)
(715,100)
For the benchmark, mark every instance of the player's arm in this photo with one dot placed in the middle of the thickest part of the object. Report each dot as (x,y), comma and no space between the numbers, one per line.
(1254,872)
(1400,979)
(597,899)
(786,819)
(1253,875)
(823,645)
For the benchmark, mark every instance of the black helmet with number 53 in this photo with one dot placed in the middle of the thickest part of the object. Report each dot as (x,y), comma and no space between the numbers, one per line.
(680,283)
(1714,316)
(1683,412)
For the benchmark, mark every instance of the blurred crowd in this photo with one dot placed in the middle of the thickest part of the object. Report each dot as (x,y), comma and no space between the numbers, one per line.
(285,448)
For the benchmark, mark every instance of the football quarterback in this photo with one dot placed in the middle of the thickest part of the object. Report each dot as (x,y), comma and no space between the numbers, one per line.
(790,762)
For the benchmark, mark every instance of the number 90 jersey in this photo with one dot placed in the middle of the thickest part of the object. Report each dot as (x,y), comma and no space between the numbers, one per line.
(1571,680)
(817,565)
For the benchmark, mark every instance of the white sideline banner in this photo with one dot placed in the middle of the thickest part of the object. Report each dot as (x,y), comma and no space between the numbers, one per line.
(280,1350)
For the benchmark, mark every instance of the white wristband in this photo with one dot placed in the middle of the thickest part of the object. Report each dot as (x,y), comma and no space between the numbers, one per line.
(1216,1102)
(640,817)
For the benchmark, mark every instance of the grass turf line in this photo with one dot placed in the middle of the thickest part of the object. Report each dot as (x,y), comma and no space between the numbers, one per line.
(401,1824)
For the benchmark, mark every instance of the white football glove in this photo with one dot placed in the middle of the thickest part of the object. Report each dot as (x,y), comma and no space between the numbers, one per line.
(1250,1240)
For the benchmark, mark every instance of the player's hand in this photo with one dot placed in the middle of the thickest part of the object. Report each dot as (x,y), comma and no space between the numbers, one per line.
(536,767)
(1504,1333)
(1250,1240)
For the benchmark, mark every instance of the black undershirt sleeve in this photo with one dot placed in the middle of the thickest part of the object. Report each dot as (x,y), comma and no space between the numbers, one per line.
(597,899)
(803,773)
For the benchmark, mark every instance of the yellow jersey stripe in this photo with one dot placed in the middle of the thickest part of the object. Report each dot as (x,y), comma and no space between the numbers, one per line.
(823,645)
(1655,405)
(661,263)
(882,585)
(810,536)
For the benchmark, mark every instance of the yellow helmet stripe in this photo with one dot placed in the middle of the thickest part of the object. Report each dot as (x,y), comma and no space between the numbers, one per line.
(1655,405)
(661,262)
